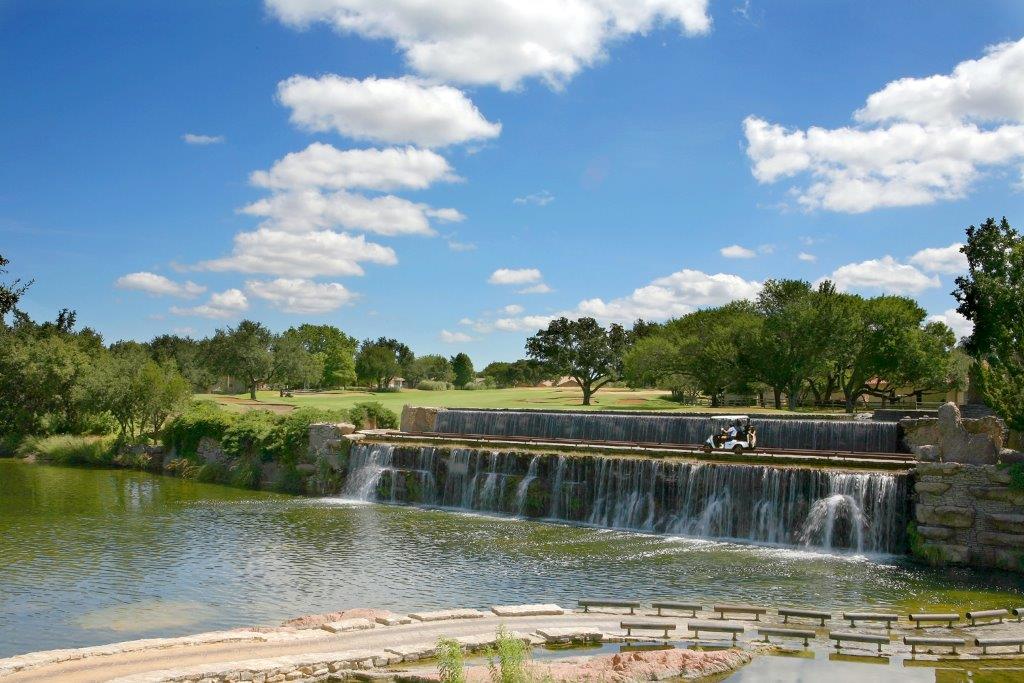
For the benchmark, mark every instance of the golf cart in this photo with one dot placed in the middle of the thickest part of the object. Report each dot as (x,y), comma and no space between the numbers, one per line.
(744,440)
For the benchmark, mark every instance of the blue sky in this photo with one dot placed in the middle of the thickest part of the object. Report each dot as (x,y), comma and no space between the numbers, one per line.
(608,151)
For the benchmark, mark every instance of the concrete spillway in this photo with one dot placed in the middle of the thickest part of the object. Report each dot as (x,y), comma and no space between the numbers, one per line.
(789,433)
(823,509)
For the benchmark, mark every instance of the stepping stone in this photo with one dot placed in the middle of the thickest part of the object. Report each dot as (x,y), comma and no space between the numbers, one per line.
(527,610)
(446,614)
(347,625)
(414,651)
(561,635)
(393,620)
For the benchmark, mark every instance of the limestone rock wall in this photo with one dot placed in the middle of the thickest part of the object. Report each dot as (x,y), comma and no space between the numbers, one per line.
(969,514)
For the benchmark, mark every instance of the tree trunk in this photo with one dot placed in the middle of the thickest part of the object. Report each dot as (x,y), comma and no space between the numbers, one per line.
(850,402)
(586,394)
(252,391)
(778,398)
(714,400)
(793,398)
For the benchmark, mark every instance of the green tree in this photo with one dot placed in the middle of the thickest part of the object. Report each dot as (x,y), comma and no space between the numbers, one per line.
(378,362)
(581,349)
(462,368)
(192,358)
(430,367)
(294,366)
(245,352)
(991,296)
(338,350)
(10,292)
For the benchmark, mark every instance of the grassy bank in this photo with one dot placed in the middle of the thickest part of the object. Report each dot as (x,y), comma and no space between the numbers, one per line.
(526,398)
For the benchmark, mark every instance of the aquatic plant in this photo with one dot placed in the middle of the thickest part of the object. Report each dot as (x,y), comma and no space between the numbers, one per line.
(67,449)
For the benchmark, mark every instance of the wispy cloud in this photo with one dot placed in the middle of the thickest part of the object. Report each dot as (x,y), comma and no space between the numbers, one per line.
(197,139)
(542,198)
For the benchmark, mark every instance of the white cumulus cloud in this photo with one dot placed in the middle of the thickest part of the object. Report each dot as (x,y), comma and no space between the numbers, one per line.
(324,166)
(515,276)
(919,140)
(309,210)
(736,251)
(539,288)
(309,254)
(158,285)
(498,42)
(298,295)
(949,260)
(196,139)
(227,304)
(961,326)
(390,110)
(455,337)
(884,275)
(809,258)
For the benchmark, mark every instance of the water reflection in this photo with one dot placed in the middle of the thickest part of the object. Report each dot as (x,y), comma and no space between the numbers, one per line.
(91,556)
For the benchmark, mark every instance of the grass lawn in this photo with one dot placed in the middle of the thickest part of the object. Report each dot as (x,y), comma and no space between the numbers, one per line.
(536,398)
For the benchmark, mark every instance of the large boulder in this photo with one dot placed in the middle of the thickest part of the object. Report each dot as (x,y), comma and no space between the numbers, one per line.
(958,444)
(209,449)
(419,419)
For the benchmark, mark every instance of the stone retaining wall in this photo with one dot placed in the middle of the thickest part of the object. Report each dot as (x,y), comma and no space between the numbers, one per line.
(969,515)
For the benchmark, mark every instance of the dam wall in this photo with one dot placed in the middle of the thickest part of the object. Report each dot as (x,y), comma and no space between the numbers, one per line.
(833,510)
(783,433)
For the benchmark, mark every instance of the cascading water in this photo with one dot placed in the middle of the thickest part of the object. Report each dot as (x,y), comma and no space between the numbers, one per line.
(863,512)
(830,435)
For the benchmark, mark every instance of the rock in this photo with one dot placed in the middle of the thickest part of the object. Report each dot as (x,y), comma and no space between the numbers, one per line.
(938,469)
(1007,522)
(1010,456)
(579,634)
(347,625)
(951,554)
(419,419)
(209,450)
(414,651)
(932,487)
(926,453)
(920,432)
(325,441)
(958,444)
(446,614)
(526,610)
(318,620)
(945,515)
(1001,539)
(998,475)
(935,533)
(999,493)
(1010,560)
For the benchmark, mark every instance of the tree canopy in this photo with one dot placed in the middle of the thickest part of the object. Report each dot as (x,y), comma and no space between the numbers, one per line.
(581,349)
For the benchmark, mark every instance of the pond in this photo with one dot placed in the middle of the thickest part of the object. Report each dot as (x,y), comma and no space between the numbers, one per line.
(95,556)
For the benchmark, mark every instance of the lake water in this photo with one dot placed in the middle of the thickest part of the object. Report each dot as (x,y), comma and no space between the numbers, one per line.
(94,556)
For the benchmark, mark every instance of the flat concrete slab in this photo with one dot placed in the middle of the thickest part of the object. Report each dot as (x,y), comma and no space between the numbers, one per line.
(446,614)
(410,652)
(347,625)
(528,610)
(393,620)
(570,634)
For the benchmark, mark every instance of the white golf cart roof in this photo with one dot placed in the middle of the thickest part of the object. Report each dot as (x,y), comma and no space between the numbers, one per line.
(730,418)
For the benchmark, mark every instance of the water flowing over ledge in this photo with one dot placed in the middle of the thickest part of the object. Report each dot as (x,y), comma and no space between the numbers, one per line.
(828,435)
(863,512)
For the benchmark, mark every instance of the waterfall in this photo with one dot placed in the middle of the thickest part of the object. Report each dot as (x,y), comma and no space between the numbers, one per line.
(830,435)
(862,512)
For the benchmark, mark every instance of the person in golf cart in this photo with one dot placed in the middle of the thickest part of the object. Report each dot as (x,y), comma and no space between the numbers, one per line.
(736,437)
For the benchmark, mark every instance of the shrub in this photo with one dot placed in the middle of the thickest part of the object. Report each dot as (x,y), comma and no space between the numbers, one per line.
(182,467)
(1016,472)
(66,449)
(291,480)
(248,434)
(289,438)
(433,385)
(201,418)
(212,473)
(370,413)
(480,383)
(449,661)
(246,473)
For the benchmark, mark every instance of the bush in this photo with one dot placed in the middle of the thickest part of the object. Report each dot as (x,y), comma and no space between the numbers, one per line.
(289,438)
(213,473)
(372,413)
(507,662)
(291,481)
(66,449)
(182,467)
(201,418)
(433,385)
(485,383)
(246,473)
(248,434)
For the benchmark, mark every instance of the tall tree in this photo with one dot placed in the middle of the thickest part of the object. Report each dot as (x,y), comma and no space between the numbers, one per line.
(245,352)
(581,349)
(294,366)
(430,367)
(991,296)
(462,368)
(10,292)
(338,350)
(379,362)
